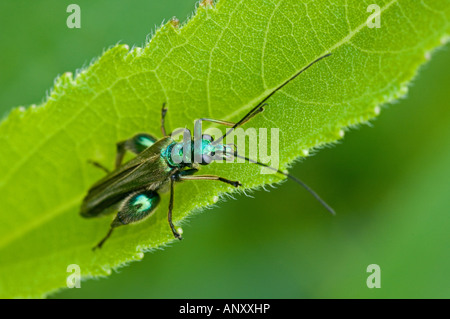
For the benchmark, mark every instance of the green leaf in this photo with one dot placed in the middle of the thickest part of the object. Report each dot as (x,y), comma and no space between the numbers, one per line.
(220,64)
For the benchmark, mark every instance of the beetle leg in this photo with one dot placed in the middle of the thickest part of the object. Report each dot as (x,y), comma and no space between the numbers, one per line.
(209,178)
(98,165)
(187,175)
(163,116)
(134,208)
(136,144)
(169,214)
(100,244)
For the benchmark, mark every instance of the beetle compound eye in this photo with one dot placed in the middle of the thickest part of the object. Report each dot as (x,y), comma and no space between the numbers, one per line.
(207,137)
(206,159)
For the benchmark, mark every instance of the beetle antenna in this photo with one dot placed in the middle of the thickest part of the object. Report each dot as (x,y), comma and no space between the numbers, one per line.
(260,104)
(295,179)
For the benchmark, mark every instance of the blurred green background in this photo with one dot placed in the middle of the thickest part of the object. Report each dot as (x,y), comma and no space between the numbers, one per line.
(389,183)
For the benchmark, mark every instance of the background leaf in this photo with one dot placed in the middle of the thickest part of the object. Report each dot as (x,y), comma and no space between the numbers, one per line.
(358,83)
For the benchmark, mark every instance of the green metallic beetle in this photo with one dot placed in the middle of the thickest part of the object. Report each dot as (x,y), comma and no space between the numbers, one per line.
(131,190)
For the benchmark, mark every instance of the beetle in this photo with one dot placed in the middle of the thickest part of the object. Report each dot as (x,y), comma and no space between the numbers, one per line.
(132,189)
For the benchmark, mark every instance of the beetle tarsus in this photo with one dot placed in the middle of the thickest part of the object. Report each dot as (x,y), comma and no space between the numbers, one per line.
(100,244)
(177,235)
